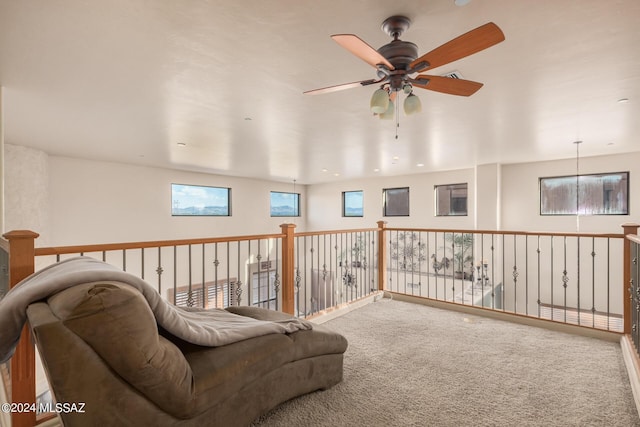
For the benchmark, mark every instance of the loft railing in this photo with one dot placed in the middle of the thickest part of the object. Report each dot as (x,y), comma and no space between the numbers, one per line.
(567,278)
(570,278)
(633,267)
(333,268)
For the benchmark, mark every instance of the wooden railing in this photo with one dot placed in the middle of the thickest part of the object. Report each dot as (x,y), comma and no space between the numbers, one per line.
(377,268)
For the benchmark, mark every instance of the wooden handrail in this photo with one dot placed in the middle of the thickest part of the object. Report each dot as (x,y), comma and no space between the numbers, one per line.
(509,233)
(61,250)
(325,232)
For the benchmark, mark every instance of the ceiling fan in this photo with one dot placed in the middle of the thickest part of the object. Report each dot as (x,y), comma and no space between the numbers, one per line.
(398,60)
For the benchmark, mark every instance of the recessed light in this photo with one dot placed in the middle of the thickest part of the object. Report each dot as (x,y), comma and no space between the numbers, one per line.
(336,174)
(420,165)
(623,100)
(182,144)
(248,119)
(396,158)
(376,170)
(610,143)
(324,170)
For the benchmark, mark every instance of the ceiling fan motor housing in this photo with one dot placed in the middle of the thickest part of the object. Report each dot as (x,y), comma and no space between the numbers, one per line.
(399,53)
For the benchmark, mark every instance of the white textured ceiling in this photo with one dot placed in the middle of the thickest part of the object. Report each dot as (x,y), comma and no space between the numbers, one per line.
(128,80)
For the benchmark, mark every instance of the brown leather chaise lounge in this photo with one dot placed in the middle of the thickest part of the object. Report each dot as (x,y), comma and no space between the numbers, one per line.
(101,345)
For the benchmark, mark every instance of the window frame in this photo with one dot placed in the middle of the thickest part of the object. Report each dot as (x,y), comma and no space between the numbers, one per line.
(197,186)
(344,203)
(437,199)
(385,201)
(581,210)
(296,207)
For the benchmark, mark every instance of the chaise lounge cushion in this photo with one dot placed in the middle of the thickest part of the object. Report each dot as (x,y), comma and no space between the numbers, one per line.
(130,343)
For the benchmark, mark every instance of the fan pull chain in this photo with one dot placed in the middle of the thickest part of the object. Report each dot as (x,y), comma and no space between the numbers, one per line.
(397,115)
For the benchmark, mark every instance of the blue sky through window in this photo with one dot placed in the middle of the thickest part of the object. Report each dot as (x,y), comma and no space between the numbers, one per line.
(353,203)
(199,200)
(285,204)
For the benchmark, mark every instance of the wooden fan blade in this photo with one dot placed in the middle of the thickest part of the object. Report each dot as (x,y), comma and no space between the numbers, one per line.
(446,85)
(341,87)
(361,49)
(467,44)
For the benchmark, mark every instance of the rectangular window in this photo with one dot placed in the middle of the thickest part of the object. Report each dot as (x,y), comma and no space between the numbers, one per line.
(395,201)
(285,204)
(352,203)
(198,200)
(593,194)
(451,199)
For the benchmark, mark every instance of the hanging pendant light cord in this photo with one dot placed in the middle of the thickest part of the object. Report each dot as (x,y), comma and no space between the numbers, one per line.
(578,185)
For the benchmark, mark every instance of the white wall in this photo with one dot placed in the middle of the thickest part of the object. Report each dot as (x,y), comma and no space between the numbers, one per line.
(325,202)
(72,201)
(99,202)
(507,198)
(26,198)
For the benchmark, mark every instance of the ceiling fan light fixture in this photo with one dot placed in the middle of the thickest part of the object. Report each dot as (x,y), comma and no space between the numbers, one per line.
(388,115)
(379,101)
(412,104)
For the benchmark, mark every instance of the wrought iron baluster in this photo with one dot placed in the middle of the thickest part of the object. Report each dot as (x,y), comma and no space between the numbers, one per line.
(565,277)
(428,276)
(239,280)
(175,274)
(526,275)
(205,294)
(190,300)
(159,270)
(593,282)
(216,264)
(551,272)
(538,276)
(515,274)
(276,280)
(578,279)
(314,298)
(298,277)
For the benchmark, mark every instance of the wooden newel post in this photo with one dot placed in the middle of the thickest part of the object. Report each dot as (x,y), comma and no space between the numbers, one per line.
(382,255)
(628,229)
(288,268)
(23,362)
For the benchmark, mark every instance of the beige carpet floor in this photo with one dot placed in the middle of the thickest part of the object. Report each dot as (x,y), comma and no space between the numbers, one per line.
(412,365)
